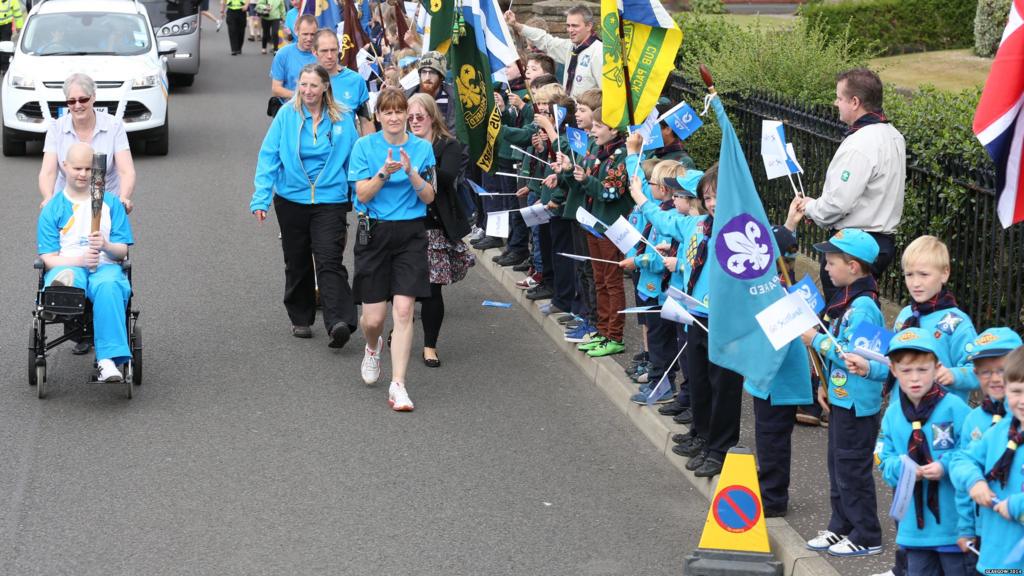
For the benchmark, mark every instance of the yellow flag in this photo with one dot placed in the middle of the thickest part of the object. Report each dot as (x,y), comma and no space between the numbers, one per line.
(650,53)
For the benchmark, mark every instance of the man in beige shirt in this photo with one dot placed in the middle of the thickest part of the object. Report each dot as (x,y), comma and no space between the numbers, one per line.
(865,182)
(581,54)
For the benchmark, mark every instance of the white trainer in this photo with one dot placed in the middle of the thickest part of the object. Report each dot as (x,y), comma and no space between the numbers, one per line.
(370,368)
(398,398)
(846,547)
(824,539)
(109,371)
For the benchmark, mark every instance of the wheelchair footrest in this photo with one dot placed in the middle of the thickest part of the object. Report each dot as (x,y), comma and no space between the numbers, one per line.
(64,300)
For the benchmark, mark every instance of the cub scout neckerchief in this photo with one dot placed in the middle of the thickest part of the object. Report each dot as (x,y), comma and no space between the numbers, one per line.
(1001,469)
(944,299)
(917,448)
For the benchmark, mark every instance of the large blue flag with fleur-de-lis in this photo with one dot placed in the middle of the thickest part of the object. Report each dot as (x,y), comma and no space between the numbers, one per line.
(743,281)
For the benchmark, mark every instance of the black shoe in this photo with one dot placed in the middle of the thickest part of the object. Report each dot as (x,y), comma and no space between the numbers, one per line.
(689,449)
(523,266)
(302,332)
(499,256)
(509,259)
(489,242)
(774,512)
(339,334)
(709,469)
(236,53)
(540,292)
(696,462)
(431,362)
(670,409)
(685,417)
(82,348)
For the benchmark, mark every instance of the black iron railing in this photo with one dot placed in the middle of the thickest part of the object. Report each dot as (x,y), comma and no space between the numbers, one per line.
(987,260)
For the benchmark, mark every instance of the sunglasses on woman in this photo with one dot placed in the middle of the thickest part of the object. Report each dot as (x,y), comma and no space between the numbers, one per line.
(418,118)
(79,100)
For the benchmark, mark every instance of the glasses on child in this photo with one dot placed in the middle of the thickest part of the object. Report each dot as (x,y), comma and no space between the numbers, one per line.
(79,100)
(990,373)
(417,117)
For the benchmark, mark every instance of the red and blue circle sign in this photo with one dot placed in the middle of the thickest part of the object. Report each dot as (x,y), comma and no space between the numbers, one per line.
(736,508)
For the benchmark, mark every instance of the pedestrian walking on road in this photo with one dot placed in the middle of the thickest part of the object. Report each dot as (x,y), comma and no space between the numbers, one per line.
(233,12)
(393,172)
(307,179)
(447,223)
(271,13)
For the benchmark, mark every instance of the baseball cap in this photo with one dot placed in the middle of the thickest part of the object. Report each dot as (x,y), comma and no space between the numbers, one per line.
(786,240)
(856,243)
(687,183)
(914,339)
(993,343)
(433,60)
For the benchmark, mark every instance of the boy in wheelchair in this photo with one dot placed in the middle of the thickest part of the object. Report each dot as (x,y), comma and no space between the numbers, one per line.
(74,256)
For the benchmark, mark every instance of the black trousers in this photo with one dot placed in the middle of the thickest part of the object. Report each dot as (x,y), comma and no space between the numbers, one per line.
(585,304)
(662,346)
(5,35)
(563,275)
(315,233)
(270,33)
(851,441)
(886,254)
(716,396)
(235,20)
(773,436)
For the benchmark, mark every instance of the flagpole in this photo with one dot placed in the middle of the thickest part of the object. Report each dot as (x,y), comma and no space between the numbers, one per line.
(625,71)
(815,359)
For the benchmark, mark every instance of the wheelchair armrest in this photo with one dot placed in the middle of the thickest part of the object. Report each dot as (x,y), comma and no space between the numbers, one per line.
(126,264)
(38,264)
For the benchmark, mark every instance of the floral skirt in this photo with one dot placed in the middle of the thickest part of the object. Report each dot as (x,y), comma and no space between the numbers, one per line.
(449,261)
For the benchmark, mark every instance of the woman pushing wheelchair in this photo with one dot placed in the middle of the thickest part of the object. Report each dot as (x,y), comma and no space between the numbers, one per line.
(75,256)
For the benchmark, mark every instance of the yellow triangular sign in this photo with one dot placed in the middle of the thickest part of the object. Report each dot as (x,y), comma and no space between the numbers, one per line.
(736,518)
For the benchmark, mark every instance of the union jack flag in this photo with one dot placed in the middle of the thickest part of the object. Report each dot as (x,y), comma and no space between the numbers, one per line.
(998,124)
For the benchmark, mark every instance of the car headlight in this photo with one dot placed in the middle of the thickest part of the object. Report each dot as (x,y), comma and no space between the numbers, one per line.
(23,82)
(147,81)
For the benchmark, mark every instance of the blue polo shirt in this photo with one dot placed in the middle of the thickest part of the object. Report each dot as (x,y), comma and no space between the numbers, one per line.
(287,63)
(396,200)
(349,88)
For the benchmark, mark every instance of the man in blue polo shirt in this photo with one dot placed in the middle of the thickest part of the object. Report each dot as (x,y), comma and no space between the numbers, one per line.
(348,86)
(284,72)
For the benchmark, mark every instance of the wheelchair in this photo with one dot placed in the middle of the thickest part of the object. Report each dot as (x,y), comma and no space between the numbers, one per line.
(69,306)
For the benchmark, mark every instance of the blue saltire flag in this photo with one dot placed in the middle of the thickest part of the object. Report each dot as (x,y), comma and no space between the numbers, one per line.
(663,386)
(684,121)
(559,113)
(365,15)
(650,130)
(326,11)
(743,281)
(790,162)
(579,140)
(872,338)
(809,292)
(488,23)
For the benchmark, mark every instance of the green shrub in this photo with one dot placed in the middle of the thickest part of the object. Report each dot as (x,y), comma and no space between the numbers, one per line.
(989,22)
(708,6)
(899,26)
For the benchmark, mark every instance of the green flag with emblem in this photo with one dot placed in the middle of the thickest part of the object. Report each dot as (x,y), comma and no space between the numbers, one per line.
(442,18)
(478,120)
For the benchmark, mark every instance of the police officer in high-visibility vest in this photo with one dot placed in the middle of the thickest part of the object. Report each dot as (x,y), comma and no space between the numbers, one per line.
(233,12)
(10,18)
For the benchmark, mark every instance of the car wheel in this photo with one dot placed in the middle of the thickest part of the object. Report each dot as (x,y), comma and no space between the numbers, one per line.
(13,146)
(181,80)
(158,146)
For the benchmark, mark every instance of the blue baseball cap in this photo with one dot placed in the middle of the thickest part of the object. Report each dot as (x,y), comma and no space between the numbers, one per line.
(856,243)
(914,339)
(993,343)
(687,183)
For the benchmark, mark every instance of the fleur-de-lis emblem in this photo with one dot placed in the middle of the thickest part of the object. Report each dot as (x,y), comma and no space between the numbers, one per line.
(747,250)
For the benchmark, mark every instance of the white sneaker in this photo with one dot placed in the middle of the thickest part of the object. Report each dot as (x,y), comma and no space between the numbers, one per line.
(477,233)
(398,398)
(65,277)
(219,23)
(847,548)
(109,371)
(824,539)
(370,368)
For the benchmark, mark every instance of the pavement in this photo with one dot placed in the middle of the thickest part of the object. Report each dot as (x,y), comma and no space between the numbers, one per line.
(809,508)
(249,452)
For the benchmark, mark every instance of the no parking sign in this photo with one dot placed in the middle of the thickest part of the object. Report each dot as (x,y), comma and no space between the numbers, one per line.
(735,519)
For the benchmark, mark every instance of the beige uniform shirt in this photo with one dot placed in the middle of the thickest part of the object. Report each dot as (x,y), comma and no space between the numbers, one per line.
(588,63)
(865,182)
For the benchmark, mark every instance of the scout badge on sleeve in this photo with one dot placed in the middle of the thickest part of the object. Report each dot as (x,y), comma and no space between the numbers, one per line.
(96,189)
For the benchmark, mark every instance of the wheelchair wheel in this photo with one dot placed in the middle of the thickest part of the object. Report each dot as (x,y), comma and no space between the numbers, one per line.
(127,382)
(137,355)
(32,339)
(41,379)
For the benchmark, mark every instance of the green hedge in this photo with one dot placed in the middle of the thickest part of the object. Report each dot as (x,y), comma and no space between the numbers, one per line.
(989,22)
(899,26)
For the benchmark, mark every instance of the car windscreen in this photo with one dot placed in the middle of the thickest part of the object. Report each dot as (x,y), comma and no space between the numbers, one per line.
(86,33)
(163,11)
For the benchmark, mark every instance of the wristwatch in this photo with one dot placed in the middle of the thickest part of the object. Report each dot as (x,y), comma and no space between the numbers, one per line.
(381,176)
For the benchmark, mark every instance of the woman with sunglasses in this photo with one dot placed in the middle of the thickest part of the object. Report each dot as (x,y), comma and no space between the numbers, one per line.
(105,133)
(446,222)
(393,175)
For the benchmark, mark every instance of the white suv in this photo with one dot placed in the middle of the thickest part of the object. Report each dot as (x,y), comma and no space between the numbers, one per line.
(110,40)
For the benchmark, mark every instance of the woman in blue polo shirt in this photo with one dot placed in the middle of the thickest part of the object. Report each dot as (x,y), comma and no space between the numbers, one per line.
(393,175)
(307,179)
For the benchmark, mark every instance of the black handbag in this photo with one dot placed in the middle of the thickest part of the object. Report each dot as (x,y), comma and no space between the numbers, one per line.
(273,105)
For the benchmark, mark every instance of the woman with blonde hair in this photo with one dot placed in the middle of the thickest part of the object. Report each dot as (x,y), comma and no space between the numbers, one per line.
(307,179)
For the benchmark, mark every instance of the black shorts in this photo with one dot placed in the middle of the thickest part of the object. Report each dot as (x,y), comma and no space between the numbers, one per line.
(394,263)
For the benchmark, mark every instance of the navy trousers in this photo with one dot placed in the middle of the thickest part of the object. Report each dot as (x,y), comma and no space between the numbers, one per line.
(716,396)
(851,443)
(662,346)
(773,437)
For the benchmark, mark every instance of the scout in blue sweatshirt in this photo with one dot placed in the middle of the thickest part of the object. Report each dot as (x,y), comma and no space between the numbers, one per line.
(934,308)
(923,423)
(856,398)
(988,354)
(991,472)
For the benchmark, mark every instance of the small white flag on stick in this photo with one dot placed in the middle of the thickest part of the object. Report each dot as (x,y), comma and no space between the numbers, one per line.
(535,215)
(497,224)
(786,319)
